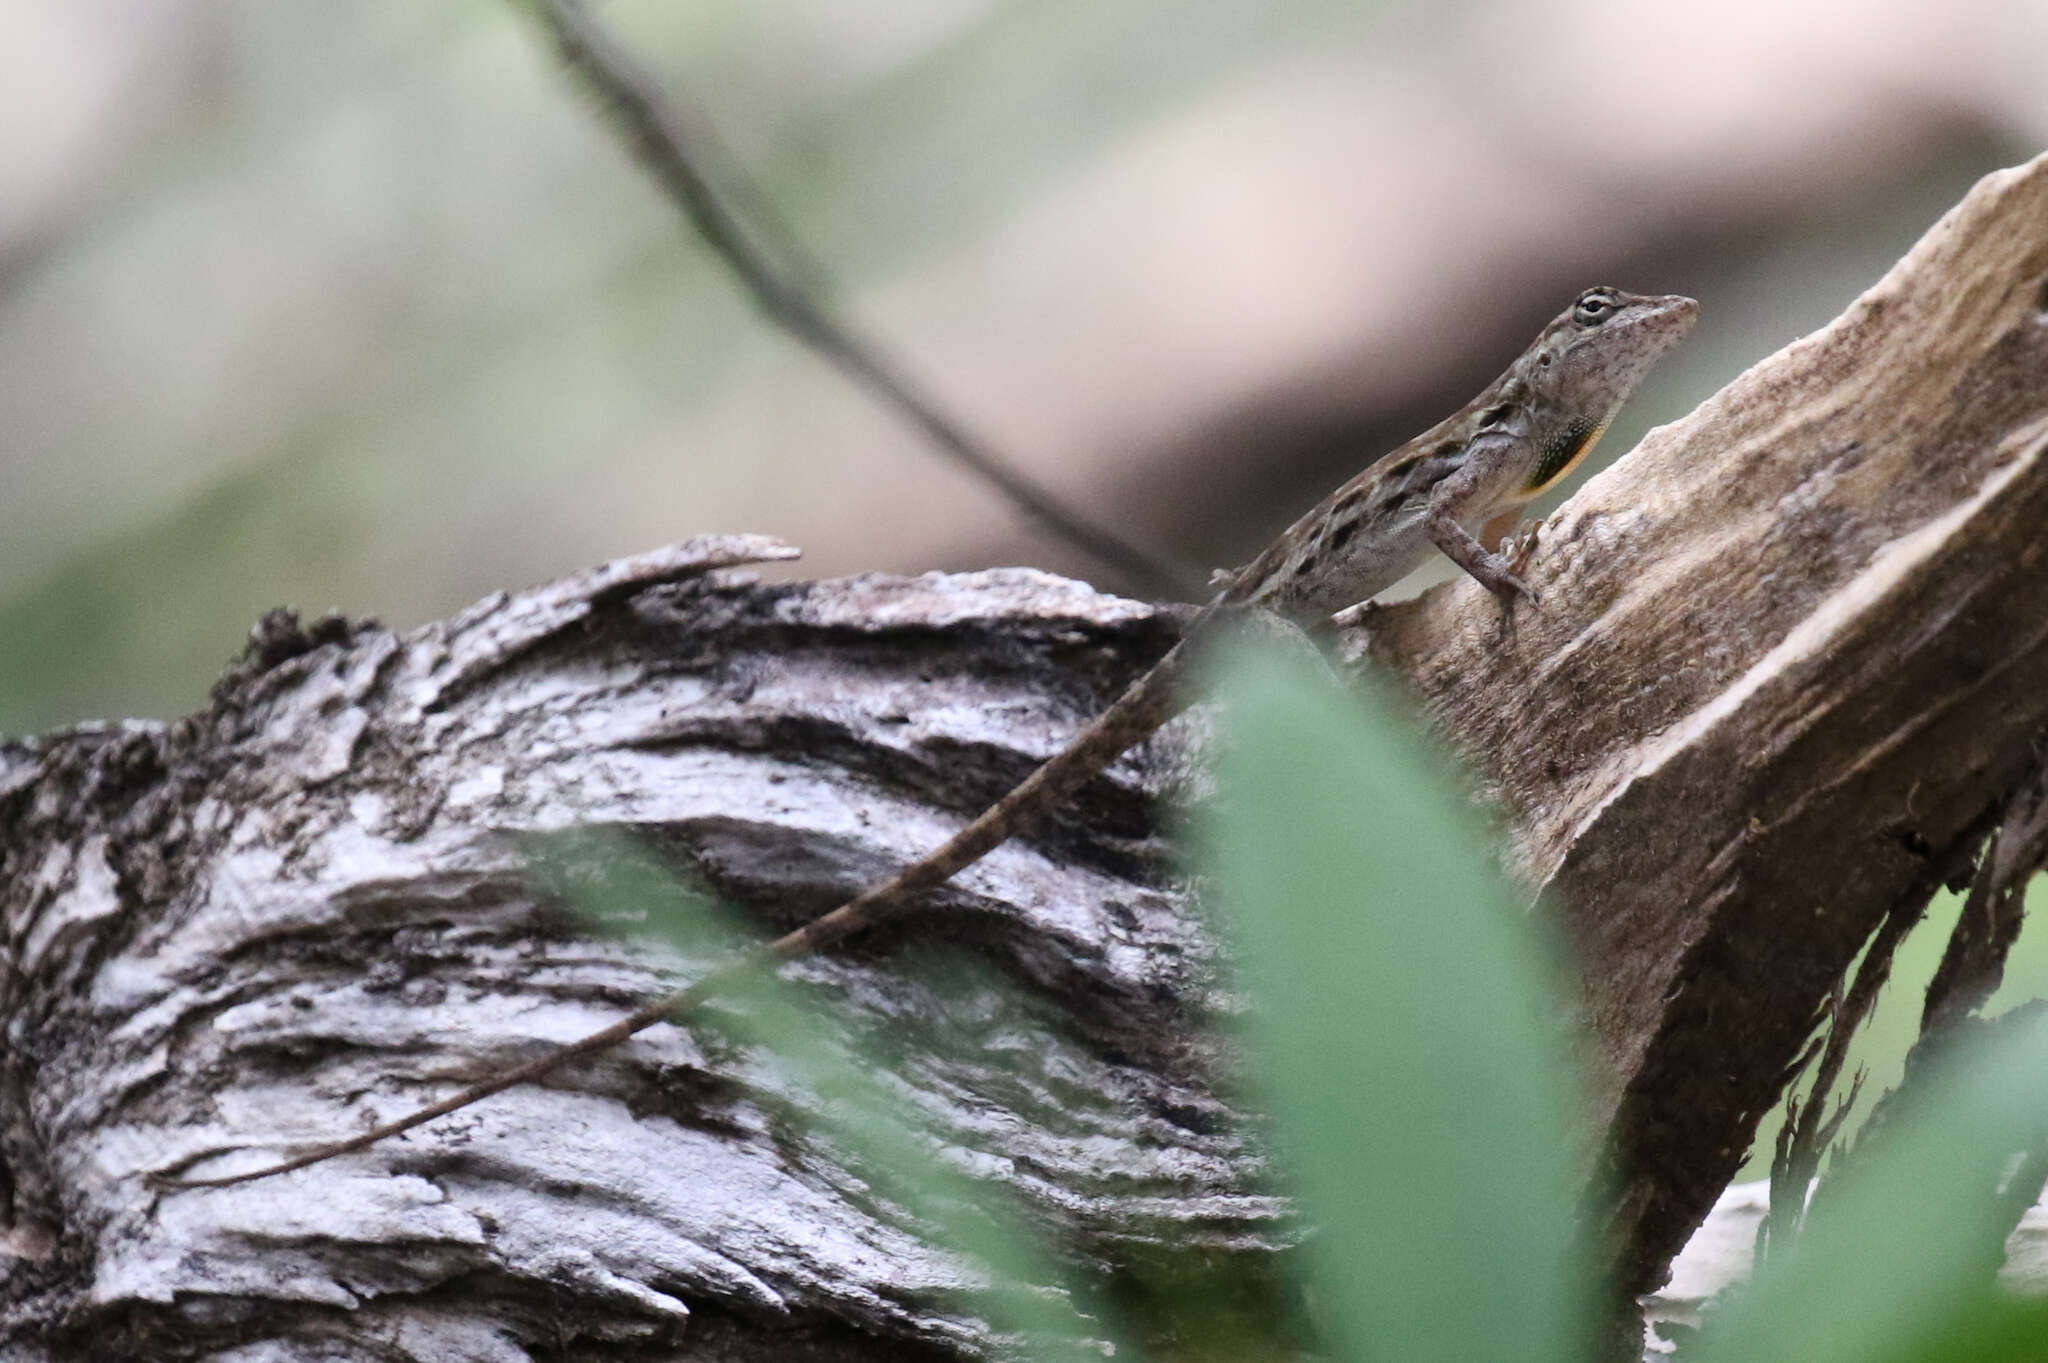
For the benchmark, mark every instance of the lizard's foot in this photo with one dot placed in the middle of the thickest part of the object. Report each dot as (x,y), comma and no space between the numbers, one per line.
(1506,584)
(1517,592)
(1515,552)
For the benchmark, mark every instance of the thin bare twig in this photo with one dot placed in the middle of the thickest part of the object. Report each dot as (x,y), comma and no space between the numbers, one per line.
(655,132)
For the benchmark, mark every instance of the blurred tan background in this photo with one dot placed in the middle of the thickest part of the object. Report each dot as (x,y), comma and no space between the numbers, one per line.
(358,305)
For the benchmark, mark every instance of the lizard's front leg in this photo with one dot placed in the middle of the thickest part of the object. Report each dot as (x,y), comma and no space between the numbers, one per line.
(1461,498)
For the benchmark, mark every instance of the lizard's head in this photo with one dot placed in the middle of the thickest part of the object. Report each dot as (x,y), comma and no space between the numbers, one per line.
(1586,363)
(1600,347)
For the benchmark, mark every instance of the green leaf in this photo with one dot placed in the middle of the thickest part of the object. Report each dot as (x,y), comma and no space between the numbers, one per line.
(1993,1329)
(1911,1229)
(1406,1024)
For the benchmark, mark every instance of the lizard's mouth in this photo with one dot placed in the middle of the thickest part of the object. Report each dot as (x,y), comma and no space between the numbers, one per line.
(1678,312)
(1688,309)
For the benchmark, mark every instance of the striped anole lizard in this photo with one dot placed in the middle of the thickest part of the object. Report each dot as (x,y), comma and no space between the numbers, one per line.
(1526,431)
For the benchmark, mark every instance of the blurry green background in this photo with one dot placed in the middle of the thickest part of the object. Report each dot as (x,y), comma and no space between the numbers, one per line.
(358,305)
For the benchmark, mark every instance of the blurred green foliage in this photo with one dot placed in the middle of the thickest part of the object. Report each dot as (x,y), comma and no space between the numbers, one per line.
(1405,1008)
(1991,1328)
(1406,1033)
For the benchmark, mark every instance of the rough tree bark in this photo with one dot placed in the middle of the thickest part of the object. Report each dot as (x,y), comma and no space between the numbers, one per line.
(1792,653)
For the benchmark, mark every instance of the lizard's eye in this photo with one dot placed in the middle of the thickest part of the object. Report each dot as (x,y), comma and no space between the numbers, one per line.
(1544,359)
(1593,309)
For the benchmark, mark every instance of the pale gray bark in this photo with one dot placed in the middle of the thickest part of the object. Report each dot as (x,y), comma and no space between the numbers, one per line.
(270,922)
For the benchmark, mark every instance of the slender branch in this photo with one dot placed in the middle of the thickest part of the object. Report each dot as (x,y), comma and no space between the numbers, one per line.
(654,131)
